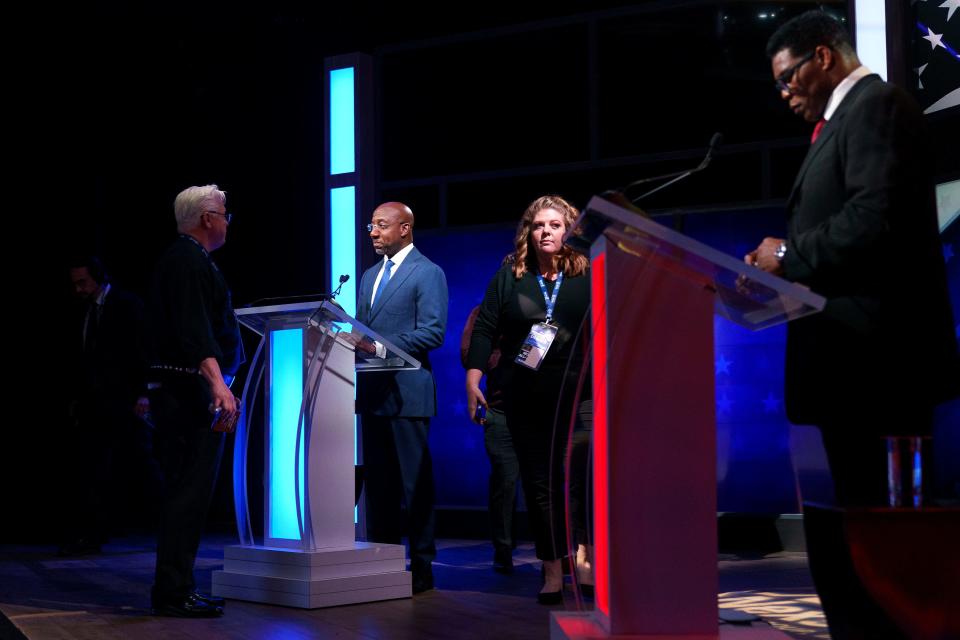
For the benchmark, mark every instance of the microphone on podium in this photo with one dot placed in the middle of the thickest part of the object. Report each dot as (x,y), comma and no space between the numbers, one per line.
(676,175)
(343,278)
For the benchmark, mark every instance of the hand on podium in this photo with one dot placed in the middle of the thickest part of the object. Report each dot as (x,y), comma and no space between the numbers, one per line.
(360,343)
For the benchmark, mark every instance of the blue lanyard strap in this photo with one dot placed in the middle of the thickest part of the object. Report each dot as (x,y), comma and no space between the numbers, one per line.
(202,250)
(550,300)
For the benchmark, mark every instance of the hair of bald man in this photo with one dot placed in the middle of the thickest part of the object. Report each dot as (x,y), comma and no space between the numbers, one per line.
(402,210)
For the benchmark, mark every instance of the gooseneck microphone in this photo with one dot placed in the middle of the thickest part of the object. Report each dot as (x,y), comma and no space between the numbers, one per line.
(676,175)
(343,278)
(310,297)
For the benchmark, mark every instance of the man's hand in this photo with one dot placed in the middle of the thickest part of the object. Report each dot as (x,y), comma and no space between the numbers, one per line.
(764,256)
(223,399)
(220,395)
(359,342)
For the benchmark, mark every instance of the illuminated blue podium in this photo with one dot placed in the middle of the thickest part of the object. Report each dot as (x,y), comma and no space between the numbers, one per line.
(309,556)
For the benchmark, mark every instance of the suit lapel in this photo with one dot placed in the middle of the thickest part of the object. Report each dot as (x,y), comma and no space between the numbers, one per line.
(404,271)
(363,304)
(828,131)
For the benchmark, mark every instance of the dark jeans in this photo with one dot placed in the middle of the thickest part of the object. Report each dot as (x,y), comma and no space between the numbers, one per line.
(189,453)
(504,476)
(398,469)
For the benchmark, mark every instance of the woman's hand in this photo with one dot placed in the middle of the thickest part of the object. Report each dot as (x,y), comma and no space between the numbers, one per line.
(474,395)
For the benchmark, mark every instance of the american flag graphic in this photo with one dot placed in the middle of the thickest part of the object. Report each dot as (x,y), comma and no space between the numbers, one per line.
(936,54)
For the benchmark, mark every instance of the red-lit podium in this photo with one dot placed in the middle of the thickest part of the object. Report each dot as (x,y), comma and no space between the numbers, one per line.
(655,293)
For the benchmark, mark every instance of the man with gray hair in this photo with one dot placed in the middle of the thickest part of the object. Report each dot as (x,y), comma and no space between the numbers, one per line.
(194,350)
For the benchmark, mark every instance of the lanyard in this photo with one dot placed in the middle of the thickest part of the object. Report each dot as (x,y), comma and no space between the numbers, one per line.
(202,250)
(551,301)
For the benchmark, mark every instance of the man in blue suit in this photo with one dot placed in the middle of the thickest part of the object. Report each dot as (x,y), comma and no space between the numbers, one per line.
(404,299)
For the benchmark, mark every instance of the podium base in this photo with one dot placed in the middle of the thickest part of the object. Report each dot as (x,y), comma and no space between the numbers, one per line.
(329,577)
(582,626)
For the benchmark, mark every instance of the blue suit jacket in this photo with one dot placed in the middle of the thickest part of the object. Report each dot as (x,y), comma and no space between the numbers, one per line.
(412,314)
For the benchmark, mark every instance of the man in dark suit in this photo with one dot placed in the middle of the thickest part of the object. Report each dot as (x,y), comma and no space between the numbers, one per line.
(862,232)
(404,299)
(106,380)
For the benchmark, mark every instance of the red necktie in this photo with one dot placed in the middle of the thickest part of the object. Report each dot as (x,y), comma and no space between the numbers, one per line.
(817,129)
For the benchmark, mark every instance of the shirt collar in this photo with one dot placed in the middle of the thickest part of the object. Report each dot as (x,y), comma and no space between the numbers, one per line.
(399,256)
(841,90)
(104,290)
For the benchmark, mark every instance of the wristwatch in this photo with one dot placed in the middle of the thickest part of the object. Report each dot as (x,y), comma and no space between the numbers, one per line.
(780,252)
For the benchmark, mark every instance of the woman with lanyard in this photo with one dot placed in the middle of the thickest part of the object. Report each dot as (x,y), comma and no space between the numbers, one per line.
(537,302)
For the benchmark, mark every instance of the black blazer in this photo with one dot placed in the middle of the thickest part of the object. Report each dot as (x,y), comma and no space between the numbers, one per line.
(862,231)
(111,374)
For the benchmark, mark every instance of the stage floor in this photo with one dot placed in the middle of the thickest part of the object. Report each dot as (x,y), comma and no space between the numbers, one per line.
(106,596)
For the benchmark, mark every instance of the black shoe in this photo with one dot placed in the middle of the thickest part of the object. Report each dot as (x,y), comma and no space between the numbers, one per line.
(188,607)
(503,561)
(213,600)
(550,597)
(422,580)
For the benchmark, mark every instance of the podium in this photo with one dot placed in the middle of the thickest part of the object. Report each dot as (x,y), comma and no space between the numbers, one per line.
(308,556)
(654,295)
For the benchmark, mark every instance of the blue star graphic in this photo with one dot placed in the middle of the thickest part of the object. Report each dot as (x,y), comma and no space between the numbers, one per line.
(771,404)
(722,365)
(947,252)
(724,404)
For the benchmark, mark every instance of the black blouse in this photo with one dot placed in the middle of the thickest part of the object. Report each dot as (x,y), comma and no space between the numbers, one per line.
(509,308)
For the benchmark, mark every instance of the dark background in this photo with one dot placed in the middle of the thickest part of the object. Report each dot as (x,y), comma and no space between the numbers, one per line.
(481,109)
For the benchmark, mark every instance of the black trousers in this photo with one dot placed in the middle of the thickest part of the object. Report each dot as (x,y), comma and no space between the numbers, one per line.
(87,461)
(189,453)
(856,454)
(504,479)
(398,470)
(540,450)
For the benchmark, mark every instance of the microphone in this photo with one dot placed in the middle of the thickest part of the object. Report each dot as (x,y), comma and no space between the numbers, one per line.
(676,175)
(343,278)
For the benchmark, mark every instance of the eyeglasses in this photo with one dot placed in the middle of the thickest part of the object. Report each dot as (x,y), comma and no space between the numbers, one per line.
(383,226)
(226,216)
(783,80)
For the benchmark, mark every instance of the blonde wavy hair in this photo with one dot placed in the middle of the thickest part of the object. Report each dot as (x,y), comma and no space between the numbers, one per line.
(524,257)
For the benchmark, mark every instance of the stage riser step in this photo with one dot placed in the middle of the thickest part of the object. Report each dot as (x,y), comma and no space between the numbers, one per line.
(360,552)
(313,601)
(310,573)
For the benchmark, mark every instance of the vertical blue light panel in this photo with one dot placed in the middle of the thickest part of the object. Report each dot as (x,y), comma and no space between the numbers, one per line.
(342,153)
(286,394)
(343,245)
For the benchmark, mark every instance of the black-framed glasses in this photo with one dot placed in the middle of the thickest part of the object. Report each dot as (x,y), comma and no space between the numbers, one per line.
(226,216)
(783,80)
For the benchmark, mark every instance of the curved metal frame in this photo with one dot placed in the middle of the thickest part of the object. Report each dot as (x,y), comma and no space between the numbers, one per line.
(307,406)
(241,503)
